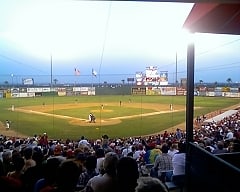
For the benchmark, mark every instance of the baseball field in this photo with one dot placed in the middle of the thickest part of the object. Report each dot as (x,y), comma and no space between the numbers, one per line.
(116,116)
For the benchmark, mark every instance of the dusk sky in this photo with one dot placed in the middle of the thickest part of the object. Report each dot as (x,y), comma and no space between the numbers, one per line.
(116,39)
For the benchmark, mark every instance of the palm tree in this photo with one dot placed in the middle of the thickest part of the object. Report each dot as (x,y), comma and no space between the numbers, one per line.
(215,83)
(6,83)
(229,80)
(201,81)
(55,81)
(123,81)
(105,83)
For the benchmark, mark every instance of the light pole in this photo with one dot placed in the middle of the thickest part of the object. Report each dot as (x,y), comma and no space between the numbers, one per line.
(12,79)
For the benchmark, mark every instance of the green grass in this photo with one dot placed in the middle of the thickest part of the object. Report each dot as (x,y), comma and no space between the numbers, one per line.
(30,124)
(114,111)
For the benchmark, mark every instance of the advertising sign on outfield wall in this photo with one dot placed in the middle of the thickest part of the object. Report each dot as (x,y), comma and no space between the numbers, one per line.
(168,90)
(38,89)
(181,91)
(14,90)
(26,94)
(69,93)
(61,93)
(47,89)
(234,89)
(210,93)
(84,89)
(75,89)
(91,91)
(218,94)
(153,91)
(23,90)
(160,90)
(229,94)
(14,95)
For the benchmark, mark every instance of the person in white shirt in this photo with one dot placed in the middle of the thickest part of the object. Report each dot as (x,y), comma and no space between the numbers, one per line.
(126,150)
(178,162)
(139,153)
(173,149)
(83,142)
(229,135)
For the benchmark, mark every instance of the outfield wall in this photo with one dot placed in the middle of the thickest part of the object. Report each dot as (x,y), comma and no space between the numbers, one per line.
(115,90)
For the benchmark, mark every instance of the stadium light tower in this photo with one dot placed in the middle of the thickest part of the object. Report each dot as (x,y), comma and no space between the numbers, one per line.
(12,79)
(176,62)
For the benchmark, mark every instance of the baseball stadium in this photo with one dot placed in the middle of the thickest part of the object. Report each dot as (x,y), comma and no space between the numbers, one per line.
(70,133)
(124,113)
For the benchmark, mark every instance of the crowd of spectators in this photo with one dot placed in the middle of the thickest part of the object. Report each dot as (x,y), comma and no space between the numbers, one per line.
(39,164)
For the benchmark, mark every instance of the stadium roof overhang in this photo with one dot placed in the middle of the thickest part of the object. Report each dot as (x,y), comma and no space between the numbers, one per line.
(217,18)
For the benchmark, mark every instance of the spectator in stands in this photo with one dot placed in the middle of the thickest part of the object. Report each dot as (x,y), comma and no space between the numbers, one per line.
(173,148)
(163,164)
(151,154)
(105,144)
(13,180)
(57,153)
(127,174)
(29,162)
(234,146)
(139,153)
(100,158)
(33,174)
(67,176)
(83,142)
(85,176)
(43,141)
(229,135)
(107,181)
(178,162)
(48,181)
(220,148)
(178,134)
(209,145)
(127,149)
(1,152)
(18,163)
(7,165)
(150,184)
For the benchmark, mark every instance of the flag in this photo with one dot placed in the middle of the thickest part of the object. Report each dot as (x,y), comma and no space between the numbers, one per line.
(94,73)
(76,71)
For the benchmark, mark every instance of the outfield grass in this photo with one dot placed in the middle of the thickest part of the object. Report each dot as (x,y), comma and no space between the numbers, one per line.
(30,124)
